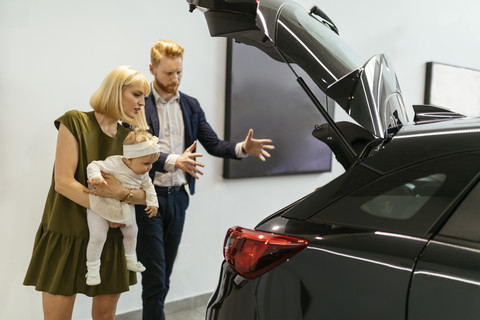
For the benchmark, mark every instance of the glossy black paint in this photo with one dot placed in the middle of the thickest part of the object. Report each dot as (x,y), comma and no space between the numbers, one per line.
(446,281)
(397,236)
(371,271)
(377,273)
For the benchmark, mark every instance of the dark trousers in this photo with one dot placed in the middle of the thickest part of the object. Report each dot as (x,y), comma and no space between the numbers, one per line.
(157,245)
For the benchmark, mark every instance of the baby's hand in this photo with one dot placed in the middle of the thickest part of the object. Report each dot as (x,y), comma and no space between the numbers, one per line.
(97,181)
(152,211)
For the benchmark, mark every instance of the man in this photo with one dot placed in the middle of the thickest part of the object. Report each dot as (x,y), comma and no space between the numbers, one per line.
(178,121)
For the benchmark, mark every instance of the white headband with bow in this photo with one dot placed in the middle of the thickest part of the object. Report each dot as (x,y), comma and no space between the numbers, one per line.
(141,149)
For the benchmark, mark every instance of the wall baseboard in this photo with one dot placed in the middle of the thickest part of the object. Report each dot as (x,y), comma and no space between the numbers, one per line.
(171,307)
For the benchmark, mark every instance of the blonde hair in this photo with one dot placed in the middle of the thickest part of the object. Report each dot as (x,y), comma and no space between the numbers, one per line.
(139,135)
(165,48)
(107,99)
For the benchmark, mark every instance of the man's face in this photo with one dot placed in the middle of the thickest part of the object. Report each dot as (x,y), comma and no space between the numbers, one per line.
(168,74)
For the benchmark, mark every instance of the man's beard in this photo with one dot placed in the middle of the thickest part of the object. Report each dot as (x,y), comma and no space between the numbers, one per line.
(166,89)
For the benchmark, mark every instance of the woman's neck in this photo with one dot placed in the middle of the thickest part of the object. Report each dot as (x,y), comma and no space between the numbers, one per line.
(107,124)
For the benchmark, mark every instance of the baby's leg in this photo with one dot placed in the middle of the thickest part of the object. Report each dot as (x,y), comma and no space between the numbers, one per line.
(130,244)
(130,239)
(98,228)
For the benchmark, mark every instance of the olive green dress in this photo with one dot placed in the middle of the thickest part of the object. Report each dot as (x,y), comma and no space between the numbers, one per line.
(58,263)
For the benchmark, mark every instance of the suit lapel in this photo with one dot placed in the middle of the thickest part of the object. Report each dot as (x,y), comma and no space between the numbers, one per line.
(152,114)
(186,121)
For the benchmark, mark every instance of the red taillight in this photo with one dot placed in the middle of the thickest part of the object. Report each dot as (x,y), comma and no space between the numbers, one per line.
(252,253)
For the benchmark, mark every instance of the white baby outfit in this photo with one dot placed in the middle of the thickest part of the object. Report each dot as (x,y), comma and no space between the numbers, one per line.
(110,208)
(102,210)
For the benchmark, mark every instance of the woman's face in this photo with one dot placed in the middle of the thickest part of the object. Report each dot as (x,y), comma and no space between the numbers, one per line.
(133,99)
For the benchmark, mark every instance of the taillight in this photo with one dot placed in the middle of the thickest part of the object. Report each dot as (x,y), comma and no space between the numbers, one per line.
(252,253)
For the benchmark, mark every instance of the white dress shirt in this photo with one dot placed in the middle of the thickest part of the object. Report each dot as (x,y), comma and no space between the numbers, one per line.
(172,140)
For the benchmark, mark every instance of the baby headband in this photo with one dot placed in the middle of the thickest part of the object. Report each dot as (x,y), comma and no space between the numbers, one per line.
(141,149)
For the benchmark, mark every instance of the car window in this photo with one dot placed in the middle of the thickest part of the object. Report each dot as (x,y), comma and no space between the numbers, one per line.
(405,200)
(408,201)
(465,221)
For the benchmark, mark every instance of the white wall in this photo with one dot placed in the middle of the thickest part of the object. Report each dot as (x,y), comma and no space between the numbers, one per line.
(411,33)
(54,54)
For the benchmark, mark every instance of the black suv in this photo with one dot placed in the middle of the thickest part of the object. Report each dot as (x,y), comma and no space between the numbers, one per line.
(397,236)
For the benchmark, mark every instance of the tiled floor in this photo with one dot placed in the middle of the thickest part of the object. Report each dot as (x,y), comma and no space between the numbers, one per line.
(193,314)
(189,309)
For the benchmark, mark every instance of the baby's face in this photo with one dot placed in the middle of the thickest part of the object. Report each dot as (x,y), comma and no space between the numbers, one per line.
(140,165)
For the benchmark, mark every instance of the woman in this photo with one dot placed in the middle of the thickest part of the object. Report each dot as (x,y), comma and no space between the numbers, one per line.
(58,263)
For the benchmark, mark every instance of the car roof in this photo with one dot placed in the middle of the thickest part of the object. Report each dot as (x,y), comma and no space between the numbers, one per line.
(453,146)
(417,142)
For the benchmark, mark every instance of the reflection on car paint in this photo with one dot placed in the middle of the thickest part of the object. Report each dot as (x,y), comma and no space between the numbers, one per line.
(363,259)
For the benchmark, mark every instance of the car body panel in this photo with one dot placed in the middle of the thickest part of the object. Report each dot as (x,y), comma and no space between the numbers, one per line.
(364,275)
(378,92)
(387,272)
(350,265)
(288,32)
(234,297)
(446,281)
(396,235)
(370,93)
(421,144)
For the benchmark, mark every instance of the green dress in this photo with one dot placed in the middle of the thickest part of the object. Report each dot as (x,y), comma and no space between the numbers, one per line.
(58,263)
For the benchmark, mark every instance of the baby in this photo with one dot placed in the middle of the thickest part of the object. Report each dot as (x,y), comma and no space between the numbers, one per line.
(140,151)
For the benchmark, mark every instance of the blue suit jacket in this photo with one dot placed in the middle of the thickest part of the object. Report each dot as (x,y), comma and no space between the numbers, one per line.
(196,128)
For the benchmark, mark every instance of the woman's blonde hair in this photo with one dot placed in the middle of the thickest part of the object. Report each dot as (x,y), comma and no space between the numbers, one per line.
(107,99)
(139,135)
(165,48)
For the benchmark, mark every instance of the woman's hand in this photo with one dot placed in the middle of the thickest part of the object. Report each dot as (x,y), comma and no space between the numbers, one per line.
(111,189)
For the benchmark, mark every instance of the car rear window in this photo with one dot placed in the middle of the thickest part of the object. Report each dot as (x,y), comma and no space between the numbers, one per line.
(409,201)
(405,200)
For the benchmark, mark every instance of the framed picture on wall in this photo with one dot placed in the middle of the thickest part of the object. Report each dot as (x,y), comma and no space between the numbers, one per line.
(453,87)
(264,95)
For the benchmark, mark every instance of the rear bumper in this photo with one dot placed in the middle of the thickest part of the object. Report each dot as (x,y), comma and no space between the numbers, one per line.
(234,298)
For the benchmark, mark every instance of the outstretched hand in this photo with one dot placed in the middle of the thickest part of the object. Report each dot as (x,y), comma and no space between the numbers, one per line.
(188,163)
(256,147)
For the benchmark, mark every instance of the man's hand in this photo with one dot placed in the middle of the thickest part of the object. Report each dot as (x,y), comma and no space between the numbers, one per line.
(256,147)
(187,162)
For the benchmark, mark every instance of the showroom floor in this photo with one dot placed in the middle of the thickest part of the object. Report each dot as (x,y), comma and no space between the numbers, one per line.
(193,314)
(189,309)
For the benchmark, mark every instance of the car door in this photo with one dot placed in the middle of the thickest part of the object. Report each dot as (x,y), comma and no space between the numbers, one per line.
(446,280)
